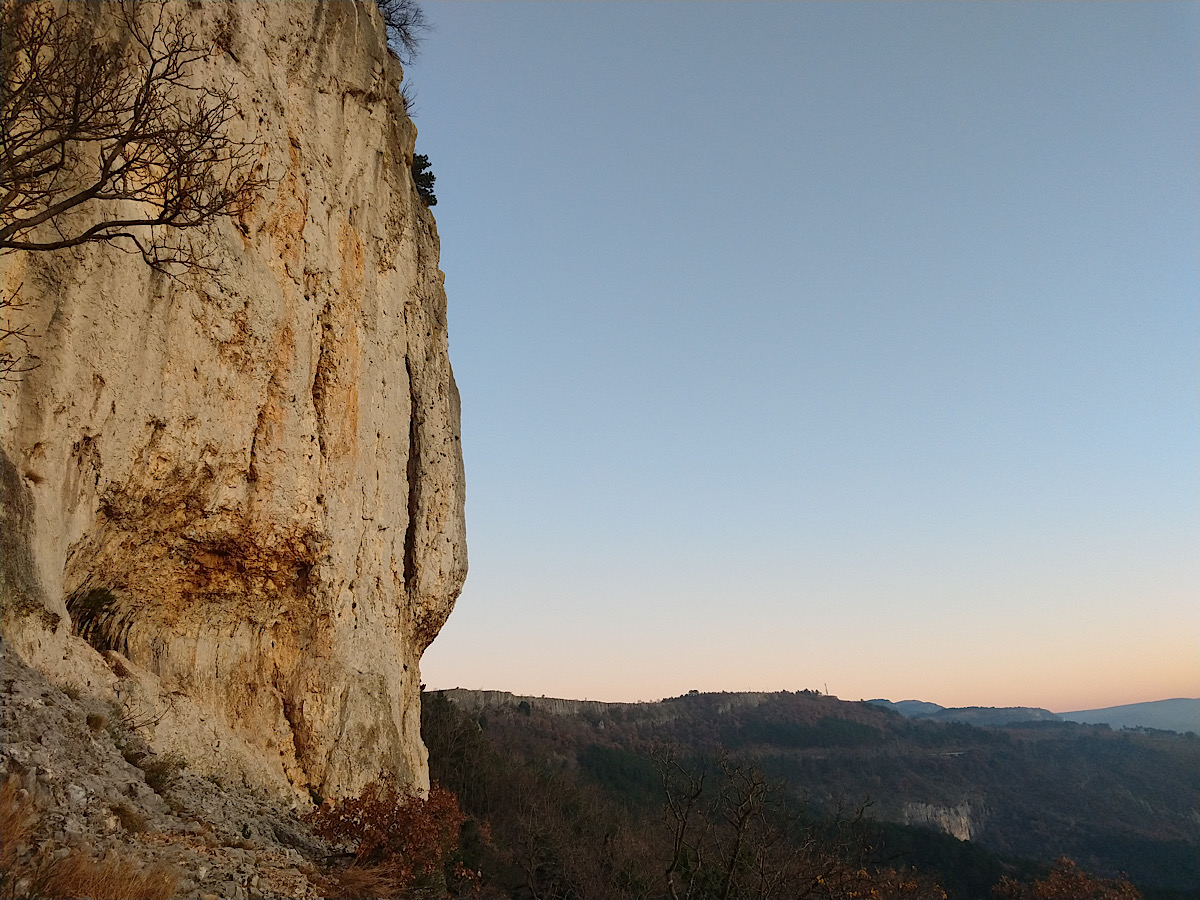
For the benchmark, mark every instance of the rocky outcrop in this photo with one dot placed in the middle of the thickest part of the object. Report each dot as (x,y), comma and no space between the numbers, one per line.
(90,788)
(235,503)
(963,821)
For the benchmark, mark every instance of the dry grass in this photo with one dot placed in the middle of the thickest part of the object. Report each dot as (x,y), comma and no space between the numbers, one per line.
(131,820)
(377,881)
(25,874)
(363,882)
(112,878)
(161,771)
(18,816)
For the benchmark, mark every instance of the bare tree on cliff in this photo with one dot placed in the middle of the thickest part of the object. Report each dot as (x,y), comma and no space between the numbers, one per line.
(406,23)
(107,141)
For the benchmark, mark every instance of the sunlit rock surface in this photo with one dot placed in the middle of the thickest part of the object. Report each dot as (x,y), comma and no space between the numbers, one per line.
(236,502)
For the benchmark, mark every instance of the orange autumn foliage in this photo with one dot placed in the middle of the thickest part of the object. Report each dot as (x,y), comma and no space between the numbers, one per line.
(402,844)
(1067,881)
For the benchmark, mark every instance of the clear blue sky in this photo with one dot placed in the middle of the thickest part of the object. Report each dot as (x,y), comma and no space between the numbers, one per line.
(807,345)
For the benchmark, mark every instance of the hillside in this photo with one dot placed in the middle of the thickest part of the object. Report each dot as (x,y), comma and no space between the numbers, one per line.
(1180,714)
(1113,801)
(971,715)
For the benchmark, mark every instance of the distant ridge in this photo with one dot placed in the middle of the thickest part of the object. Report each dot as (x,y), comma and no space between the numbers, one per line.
(971,715)
(558,706)
(1180,714)
(910,708)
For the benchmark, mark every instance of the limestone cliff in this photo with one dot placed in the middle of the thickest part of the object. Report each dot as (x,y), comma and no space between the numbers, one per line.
(964,821)
(235,503)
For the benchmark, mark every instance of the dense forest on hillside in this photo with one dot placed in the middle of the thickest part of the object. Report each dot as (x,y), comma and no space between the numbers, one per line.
(596,803)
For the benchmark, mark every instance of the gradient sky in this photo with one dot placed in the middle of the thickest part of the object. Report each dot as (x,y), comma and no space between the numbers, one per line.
(839,346)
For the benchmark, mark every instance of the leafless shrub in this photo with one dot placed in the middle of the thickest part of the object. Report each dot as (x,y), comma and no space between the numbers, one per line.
(403,845)
(406,26)
(134,713)
(1066,881)
(161,771)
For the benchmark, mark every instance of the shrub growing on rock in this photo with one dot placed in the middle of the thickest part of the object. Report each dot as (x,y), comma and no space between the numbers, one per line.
(161,771)
(403,845)
(424,179)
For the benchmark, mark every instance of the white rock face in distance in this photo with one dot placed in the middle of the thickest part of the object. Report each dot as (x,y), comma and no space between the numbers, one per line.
(235,503)
(962,821)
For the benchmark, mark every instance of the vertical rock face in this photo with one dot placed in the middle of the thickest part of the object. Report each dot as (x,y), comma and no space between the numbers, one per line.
(236,502)
(963,821)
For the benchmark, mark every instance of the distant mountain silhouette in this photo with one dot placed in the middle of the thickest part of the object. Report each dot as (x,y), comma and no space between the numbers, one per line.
(910,708)
(1180,714)
(995,716)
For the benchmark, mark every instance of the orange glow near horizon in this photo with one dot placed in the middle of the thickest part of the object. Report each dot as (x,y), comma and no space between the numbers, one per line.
(970,676)
(1059,638)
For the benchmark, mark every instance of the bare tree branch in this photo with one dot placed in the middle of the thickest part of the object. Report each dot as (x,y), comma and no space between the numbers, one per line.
(15,358)
(105,139)
(406,25)
(109,141)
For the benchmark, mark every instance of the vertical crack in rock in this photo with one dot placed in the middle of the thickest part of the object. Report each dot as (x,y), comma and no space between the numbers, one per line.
(288,708)
(321,380)
(252,468)
(414,494)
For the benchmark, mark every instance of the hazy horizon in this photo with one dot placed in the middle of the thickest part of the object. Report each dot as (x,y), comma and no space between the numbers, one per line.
(822,344)
(836,697)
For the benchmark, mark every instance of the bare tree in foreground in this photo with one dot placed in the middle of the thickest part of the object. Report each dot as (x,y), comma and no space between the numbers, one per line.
(106,140)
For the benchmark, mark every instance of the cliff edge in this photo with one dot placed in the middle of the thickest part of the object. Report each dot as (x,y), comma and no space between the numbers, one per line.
(234,503)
